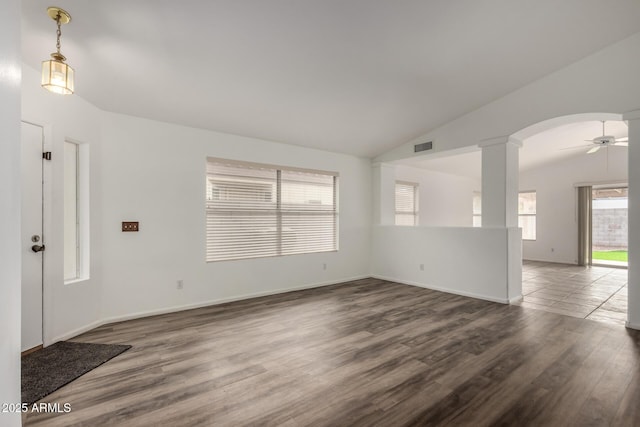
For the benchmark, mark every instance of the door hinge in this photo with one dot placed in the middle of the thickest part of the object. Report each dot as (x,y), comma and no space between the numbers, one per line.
(46,155)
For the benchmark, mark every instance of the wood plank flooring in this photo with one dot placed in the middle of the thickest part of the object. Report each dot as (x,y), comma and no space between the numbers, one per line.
(367,352)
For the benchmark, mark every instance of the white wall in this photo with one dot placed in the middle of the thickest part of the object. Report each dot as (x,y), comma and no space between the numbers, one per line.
(67,307)
(445,200)
(464,261)
(10,243)
(556,201)
(154,173)
(590,85)
(384,209)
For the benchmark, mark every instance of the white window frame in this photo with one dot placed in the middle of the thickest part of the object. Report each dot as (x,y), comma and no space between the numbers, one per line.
(81,226)
(71,210)
(476,214)
(280,213)
(416,201)
(529,215)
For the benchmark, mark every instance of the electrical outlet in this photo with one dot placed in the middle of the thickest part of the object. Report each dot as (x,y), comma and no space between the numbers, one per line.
(421,267)
(180,284)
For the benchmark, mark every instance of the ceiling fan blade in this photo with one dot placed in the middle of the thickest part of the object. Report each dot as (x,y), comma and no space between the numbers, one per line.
(625,139)
(594,149)
(621,144)
(575,146)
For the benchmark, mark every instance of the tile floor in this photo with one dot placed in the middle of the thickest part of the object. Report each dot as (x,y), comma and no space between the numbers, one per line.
(596,293)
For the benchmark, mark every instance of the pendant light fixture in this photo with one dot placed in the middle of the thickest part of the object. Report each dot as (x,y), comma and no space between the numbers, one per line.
(57,76)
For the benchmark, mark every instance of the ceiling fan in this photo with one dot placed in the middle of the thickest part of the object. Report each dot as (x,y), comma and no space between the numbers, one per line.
(606,141)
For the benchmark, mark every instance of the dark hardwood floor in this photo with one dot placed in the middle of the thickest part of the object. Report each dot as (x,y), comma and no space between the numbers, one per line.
(367,352)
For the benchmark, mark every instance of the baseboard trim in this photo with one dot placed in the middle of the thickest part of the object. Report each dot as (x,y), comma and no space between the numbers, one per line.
(175,309)
(551,261)
(630,325)
(74,333)
(516,300)
(446,290)
(31,350)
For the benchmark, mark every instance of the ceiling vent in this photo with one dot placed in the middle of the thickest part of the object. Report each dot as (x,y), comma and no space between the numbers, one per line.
(423,147)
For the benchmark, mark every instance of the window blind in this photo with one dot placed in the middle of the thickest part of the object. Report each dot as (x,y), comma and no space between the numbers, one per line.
(258,211)
(406,203)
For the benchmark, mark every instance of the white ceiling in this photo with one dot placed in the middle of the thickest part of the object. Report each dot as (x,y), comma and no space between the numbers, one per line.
(357,76)
(557,144)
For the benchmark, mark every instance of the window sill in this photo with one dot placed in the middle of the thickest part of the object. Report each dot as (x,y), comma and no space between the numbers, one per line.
(76,281)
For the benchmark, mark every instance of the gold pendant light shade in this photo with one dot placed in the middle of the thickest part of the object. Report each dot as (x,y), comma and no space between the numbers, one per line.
(57,76)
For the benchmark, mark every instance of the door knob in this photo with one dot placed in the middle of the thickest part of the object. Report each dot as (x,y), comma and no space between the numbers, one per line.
(37,248)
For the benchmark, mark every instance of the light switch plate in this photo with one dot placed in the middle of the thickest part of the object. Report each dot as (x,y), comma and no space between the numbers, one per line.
(130,226)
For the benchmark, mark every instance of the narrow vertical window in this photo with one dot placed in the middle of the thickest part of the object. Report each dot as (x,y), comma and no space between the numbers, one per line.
(71,212)
(406,203)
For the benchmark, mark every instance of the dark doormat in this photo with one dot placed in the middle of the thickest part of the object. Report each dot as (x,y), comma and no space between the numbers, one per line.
(46,370)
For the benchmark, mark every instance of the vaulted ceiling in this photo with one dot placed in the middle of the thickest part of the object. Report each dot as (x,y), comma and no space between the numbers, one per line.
(351,76)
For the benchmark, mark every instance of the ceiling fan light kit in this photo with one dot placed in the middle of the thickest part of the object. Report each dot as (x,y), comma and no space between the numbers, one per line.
(602,141)
(606,141)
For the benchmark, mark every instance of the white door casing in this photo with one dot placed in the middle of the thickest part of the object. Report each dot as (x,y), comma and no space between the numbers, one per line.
(31,217)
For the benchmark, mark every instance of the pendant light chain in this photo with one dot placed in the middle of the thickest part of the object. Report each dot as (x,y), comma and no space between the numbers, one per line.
(58,33)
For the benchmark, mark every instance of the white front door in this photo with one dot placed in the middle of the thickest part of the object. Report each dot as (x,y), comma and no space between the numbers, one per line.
(32,240)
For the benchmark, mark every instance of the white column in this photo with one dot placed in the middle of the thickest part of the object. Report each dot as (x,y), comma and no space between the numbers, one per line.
(384,194)
(500,164)
(500,161)
(633,310)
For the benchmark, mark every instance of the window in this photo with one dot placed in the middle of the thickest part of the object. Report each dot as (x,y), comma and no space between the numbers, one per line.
(406,203)
(76,256)
(527,214)
(256,211)
(71,212)
(477,209)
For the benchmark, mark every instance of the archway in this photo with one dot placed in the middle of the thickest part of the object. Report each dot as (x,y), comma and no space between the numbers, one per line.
(591,292)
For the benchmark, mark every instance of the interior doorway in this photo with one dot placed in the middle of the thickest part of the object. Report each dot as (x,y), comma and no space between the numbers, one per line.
(609,226)
(33,244)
